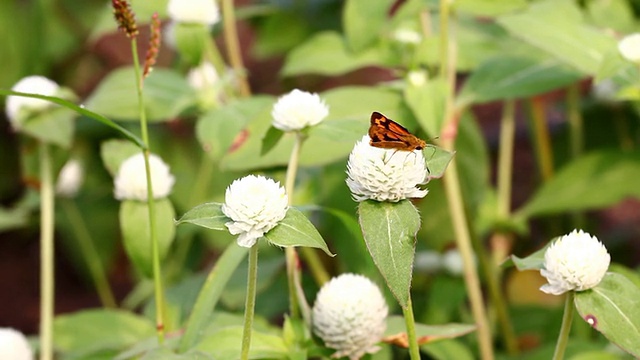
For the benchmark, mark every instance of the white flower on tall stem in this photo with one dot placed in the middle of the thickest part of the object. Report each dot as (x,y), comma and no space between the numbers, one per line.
(70,179)
(203,12)
(575,262)
(297,110)
(349,315)
(19,108)
(629,47)
(385,174)
(131,180)
(255,204)
(14,345)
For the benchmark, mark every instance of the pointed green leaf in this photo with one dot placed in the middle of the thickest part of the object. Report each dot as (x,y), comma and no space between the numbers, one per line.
(296,230)
(52,126)
(437,160)
(427,103)
(270,139)
(363,22)
(227,342)
(389,230)
(114,152)
(207,215)
(613,308)
(396,327)
(534,261)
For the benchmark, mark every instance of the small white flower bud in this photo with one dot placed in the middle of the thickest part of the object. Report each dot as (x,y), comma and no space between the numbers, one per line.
(350,315)
(14,345)
(203,12)
(131,180)
(297,110)
(577,261)
(18,108)
(452,262)
(385,174)
(417,78)
(203,77)
(256,205)
(629,47)
(70,179)
(407,36)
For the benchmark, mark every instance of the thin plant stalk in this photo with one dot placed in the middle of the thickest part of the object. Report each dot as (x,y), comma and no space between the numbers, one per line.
(250,303)
(291,257)
(567,317)
(407,311)
(89,253)
(542,138)
(157,275)
(453,188)
(576,137)
(233,46)
(47,203)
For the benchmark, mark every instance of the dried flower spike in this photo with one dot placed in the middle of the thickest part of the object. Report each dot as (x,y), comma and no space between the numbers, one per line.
(154,45)
(125,17)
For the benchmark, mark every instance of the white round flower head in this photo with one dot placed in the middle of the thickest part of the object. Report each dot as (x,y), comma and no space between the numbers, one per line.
(407,36)
(427,261)
(297,110)
(70,179)
(14,345)
(452,262)
(417,78)
(204,12)
(629,47)
(17,105)
(385,174)
(131,180)
(577,261)
(349,315)
(203,77)
(256,205)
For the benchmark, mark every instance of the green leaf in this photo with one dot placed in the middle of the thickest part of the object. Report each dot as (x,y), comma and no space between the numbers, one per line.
(134,224)
(389,230)
(437,160)
(82,111)
(327,54)
(397,328)
(510,77)
(558,27)
(616,15)
(227,342)
(210,294)
(593,181)
(614,306)
(296,230)
(168,354)
(270,139)
(114,152)
(489,8)
(53,126)
(218,129)
(448,349)
(427,103)
(190,40)
(207,215)
(363,22)
(88,332)
(166,94)
(534,261)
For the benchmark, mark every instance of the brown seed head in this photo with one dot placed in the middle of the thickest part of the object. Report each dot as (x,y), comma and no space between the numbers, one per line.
(125,17)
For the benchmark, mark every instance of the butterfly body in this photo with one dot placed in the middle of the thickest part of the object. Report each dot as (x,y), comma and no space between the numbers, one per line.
(388,134)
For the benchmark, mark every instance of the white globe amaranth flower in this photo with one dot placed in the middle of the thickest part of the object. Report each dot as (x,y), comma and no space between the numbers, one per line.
(407,36)
(204,12)
(256,204)
(131,179)
(18,108)
(427,261)
(70,178)
(14,345)
(452,262)
(417,78)
(629,47)
(385,174)
(575,262)
(203,77)
(297,110)
(349,315)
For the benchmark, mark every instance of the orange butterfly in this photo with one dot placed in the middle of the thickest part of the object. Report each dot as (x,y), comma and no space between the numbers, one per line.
(388,134)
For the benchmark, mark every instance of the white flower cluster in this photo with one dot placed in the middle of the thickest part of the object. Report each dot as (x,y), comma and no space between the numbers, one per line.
(203,12)
(297,110)
(70,179)
(203,77)
(131,180)
(577,261)
(18,108)
(14,345)
(385,174)
(349,315)
(256,205)
(629,47)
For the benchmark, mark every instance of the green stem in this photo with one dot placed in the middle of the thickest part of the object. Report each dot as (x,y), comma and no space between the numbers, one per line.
(233,46)
(410,322)
(505,158)
(290,253)
(563,337)
(250,304)
(445,12)
(46,254)
(318,272)
(157,275)
(576,123)
(542,138)
(89,253)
